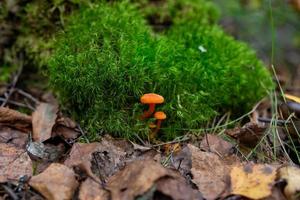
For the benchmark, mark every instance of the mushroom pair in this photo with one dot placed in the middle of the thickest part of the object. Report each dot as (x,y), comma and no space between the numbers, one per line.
(152,99)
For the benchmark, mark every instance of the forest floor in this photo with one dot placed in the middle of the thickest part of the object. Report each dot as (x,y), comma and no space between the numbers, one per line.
(46,155)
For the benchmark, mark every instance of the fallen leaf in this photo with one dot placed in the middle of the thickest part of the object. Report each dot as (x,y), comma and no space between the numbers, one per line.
(67,122)
(14,163)
(254,181)
(209,173)
(248,135)
(56,182)
(276,194)
(292,97)
(12,136)
(45,152)
(172,148)
(97,159)
(176,188)
(215,144)
(296,4)
(14,119)
(292,176)
(43,120)
(91,190)
(66,132)
(137,178)
(182,161)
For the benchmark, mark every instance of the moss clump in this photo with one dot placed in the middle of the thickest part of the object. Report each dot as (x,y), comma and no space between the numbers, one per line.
(108,57)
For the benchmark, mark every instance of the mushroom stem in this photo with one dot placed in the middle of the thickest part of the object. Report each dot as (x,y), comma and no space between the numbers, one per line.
(158,125)
(149,112)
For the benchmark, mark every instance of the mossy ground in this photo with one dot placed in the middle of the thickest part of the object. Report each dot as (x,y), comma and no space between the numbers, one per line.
(108,56)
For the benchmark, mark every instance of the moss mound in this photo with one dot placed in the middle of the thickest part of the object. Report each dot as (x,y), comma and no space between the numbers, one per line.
(108,56)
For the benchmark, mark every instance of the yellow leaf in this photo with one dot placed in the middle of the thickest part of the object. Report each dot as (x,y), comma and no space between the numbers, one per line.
(292,97)
(252,181)
(172,148)
(292,176)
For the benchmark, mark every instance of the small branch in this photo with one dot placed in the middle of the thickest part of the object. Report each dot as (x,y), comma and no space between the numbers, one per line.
(13,84)
(27,95)
(16,103)
(172,142)
(267,120)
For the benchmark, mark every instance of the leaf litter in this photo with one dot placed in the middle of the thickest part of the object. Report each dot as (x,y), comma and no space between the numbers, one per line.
(120,169)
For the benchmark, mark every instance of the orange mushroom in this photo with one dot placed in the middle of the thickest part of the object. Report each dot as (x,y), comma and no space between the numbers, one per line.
(152,99)
(159,116)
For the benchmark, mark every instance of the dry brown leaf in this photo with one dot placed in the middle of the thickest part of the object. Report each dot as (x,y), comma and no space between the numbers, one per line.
(45,152)
(65,132)
(254,181)
(81,156)
(43,120)
(209,173)
(56,182)
(276,194)
(182,161)
(14,119)
(136,179)
(215,144)
(292,176)
(177,189)
(248,135)
(67,122)
(97,159)
(91,190)
(14,163)
(14,137)
(296,4)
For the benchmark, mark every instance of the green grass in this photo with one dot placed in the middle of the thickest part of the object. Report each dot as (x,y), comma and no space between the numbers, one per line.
(108,56)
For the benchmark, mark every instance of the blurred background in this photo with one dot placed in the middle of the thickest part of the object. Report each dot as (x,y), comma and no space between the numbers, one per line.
(251,21)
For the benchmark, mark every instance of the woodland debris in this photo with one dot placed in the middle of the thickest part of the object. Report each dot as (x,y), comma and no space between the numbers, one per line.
(13,137)
(43,120)
(56,182)
(91,190)
(209,173)
(177,189)
(137,178)
(65,132)
(14,119)
(254,181)
(14,163)
(181,160)
(248,135)
(143,177)
(97,159)
(292,175)
(45,152)
(215,144)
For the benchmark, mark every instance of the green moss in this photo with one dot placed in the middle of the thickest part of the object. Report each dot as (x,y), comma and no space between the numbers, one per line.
(162,14)
(107,57)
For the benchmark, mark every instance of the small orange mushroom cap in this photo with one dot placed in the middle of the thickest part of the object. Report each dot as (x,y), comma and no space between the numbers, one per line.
(159,115)
(152,98)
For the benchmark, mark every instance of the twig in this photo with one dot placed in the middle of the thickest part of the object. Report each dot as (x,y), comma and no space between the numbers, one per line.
(14,83)
(16,103)
(83,133)
(10,192)
(27,95)
(172,142)
(267,120)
